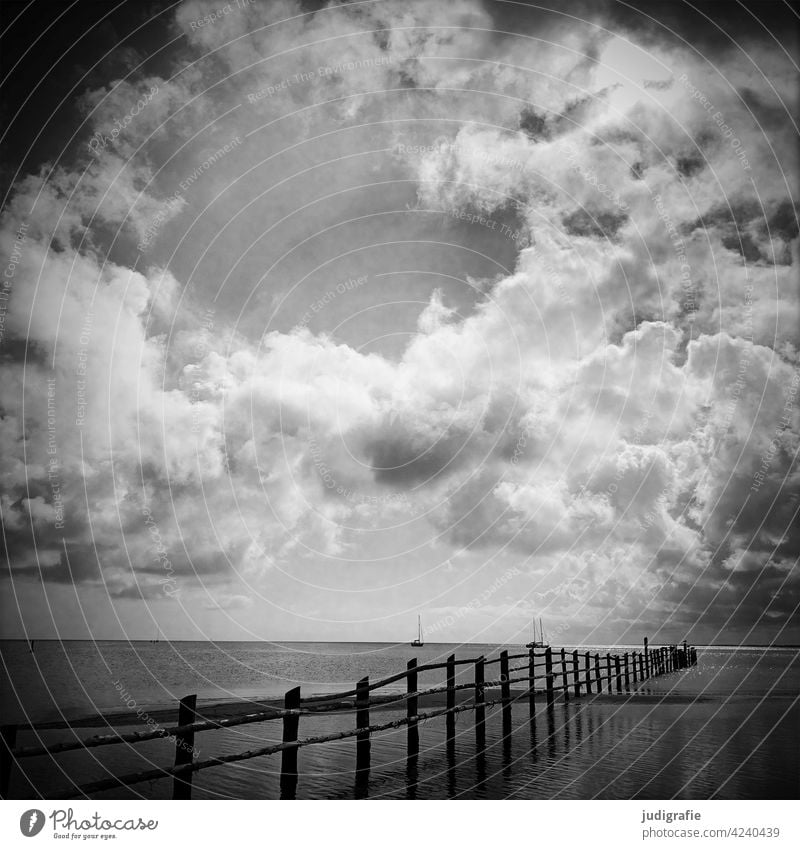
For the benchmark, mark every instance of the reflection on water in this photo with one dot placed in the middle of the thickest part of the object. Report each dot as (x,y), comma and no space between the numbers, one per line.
(584,749)
(723,729)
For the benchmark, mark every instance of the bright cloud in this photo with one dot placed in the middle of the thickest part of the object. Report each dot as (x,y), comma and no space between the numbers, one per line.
(618,409)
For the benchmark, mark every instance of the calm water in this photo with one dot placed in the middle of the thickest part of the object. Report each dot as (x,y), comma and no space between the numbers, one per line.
(727,728)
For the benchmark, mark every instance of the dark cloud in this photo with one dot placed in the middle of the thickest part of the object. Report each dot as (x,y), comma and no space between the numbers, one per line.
(603,224)
(783,221)
(698,23)
(745,226)
(690,164)
(534,125)
(403,455)
(52,53)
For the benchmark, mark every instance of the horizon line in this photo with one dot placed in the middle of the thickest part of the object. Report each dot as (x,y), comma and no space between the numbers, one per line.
(367,642)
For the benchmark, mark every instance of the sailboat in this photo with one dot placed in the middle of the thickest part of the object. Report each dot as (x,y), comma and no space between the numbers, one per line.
(418,641)
(540,643)
(158,635)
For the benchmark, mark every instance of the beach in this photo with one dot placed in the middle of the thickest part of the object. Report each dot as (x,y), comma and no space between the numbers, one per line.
(717,730)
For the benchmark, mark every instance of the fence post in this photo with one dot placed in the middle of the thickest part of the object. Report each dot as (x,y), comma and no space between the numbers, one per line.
(627,673)
(184,748)
(531,684)
(608,671)
(505,694)
(617,673)
(685,655)
(8,735)
(362,722)
(634,661)
(412,708)
(588,669)
(598,675)
(646,659)
(564,681)
(450,720)
(548,672)
(291,725)
(576,681)
(480,710)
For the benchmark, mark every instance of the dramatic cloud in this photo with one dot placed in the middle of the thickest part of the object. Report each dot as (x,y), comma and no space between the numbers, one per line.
(385,283)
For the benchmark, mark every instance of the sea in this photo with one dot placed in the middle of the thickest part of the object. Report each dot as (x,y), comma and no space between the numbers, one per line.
(726,728)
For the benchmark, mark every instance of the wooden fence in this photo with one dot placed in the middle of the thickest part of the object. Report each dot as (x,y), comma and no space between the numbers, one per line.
(564,675)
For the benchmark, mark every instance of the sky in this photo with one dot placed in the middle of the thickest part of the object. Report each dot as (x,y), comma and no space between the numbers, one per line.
(315,318)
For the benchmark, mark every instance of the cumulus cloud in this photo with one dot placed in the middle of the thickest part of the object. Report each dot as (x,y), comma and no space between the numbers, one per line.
(620,408)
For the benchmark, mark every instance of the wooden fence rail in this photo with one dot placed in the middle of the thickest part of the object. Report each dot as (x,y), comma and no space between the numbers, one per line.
(577,676)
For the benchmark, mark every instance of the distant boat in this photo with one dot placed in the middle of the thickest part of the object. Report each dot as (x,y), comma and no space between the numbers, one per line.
(418,641)
(158,634)
(540,643)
